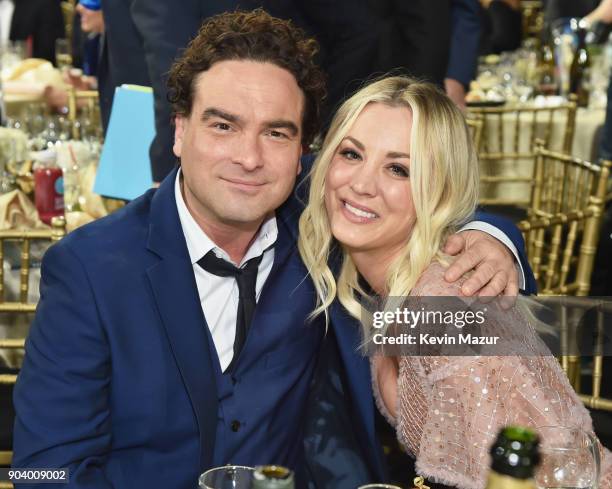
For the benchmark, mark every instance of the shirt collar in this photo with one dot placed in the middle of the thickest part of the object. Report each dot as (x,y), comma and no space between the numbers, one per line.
(198,242)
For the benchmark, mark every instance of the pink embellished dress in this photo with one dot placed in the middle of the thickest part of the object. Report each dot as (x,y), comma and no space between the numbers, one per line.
(449,409)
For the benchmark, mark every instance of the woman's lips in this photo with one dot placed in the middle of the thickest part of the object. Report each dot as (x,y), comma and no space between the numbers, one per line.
(357,213)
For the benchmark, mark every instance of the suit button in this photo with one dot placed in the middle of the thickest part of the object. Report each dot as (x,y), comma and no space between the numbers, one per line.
(235,425)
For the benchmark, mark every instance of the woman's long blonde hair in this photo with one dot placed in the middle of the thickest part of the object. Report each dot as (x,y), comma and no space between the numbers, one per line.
(443,179)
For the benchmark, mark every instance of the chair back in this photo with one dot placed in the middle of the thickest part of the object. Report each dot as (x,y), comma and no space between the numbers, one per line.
(562,230)
(532,12)
(68,10)
(506,149)
(22,304)
(563,183)
(84,103)
(475,127)
(583,321)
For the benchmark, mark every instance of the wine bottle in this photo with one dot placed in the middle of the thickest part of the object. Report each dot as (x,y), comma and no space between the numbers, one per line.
(548,77)
(273,477)
(514,458)
(580,70)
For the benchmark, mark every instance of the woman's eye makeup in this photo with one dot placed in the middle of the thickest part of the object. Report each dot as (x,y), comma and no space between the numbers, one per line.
(399,170)
(350,154)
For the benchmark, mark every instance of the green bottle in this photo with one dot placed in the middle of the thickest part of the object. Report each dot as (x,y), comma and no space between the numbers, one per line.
(580,71)
(548,76)
(514,458)
(273,477)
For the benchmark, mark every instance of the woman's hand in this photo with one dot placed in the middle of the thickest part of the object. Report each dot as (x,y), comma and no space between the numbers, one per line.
(493,264)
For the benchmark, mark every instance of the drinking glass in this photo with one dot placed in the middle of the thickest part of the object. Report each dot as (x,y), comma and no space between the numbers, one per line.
(228,477)
(570,459)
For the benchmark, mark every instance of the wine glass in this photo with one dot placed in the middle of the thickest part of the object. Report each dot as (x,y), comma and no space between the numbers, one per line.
(570,458)
(227,477)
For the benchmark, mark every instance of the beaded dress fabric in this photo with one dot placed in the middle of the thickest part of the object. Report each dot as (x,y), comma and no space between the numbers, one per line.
(448,409)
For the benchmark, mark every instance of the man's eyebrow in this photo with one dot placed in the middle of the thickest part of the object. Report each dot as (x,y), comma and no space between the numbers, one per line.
(283,124)
(211,112)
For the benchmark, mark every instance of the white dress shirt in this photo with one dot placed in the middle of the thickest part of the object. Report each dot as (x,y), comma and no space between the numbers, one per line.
(219,295)
(498,234)
(7,7)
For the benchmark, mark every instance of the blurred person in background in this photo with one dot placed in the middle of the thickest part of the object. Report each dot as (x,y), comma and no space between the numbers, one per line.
(435,41)
(87,33)
(502,26)
(122,59)
(37,22)
(87,36)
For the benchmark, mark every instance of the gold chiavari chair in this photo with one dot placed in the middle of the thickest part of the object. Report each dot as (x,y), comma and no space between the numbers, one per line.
(84,101)
(609,192)
(22,305)
(533,18)
(68,9)
(506,150)
(564,183)
(6,383)
(475,127)
(562,231)
(579,319)
(26,238)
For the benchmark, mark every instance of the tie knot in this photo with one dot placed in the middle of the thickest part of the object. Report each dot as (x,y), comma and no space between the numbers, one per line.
(222,268)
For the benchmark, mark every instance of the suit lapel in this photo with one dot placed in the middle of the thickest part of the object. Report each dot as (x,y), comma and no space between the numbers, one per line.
(175,292)
(357,366)
(287,218)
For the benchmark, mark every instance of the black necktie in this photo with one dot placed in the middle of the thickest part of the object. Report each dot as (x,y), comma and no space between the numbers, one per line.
(246,277)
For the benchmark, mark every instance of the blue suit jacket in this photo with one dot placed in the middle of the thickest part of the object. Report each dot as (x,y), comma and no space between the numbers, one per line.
(116,383)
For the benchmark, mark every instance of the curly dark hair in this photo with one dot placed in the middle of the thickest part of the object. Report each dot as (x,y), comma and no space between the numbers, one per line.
(257,36)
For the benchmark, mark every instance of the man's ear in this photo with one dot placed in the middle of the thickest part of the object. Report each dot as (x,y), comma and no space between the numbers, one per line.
(179,131)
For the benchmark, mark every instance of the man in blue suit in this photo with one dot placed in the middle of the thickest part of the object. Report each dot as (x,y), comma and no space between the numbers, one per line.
(148,362)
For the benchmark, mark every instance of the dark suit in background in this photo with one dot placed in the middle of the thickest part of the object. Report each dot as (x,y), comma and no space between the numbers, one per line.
(348,36)
(123,58)
(502,28)
(429,40)
(40,20)
(465,39)
(556,9)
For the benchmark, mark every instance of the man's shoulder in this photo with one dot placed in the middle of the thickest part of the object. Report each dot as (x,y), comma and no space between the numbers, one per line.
(125,229)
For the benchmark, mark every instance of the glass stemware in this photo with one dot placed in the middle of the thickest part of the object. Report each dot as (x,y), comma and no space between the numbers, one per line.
(228,477)
(570,459)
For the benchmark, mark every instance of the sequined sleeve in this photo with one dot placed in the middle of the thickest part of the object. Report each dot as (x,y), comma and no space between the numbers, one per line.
(449,409)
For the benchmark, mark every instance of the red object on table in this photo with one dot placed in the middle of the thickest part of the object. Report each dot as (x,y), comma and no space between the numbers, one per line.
(49,193)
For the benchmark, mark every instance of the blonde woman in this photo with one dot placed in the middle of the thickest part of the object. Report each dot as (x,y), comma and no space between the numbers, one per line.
(396,176)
